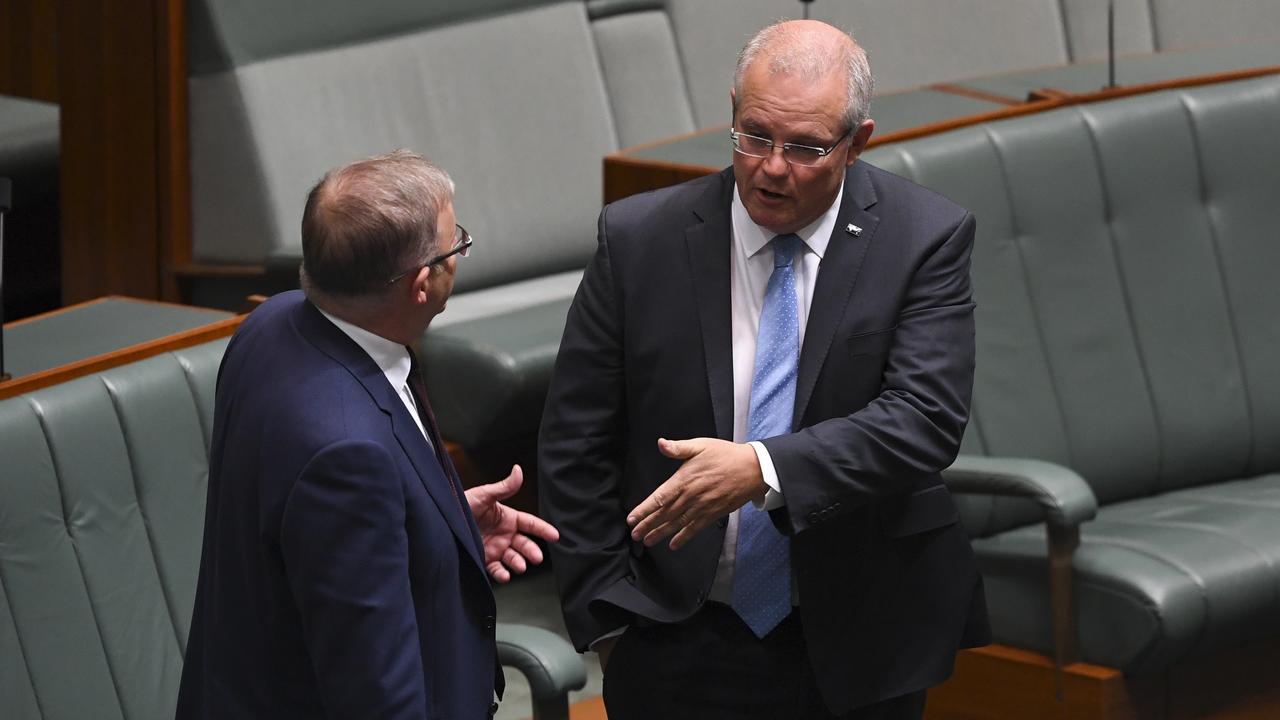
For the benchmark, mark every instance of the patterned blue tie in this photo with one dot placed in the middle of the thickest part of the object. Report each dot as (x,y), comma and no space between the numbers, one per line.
(762,570)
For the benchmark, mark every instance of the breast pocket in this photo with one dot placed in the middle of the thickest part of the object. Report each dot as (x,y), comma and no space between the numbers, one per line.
(870,343)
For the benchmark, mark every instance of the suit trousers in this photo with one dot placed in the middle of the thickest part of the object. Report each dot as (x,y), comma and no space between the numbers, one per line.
(712,666)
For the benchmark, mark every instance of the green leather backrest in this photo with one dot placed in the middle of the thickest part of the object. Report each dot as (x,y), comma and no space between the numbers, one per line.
(102,490)
(1125,274)
(222,34)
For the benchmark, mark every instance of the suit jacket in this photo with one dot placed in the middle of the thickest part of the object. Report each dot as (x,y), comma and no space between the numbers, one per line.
(887,583)
(342,575)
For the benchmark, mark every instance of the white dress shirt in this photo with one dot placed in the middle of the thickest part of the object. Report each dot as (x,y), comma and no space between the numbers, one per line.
(751,264)
(391,357)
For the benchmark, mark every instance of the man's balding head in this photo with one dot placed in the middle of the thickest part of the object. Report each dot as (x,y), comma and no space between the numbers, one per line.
(811,49)
(369,220)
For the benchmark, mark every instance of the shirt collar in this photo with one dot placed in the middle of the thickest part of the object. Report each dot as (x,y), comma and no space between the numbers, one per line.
(754,238)
(391,357)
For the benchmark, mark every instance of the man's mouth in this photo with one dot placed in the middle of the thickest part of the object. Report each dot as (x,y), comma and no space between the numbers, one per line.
(771,195)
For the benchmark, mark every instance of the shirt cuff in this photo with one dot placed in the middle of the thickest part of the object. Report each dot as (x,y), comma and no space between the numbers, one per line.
(611,634)
(773,496)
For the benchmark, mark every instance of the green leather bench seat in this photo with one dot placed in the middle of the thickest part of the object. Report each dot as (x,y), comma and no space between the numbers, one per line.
(102,491)
(1125,275)
(1157,579)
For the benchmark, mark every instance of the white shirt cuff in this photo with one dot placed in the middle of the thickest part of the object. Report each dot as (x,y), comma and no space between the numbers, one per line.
(773,496)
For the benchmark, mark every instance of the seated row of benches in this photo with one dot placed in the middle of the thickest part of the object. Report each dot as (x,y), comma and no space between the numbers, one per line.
(520,100)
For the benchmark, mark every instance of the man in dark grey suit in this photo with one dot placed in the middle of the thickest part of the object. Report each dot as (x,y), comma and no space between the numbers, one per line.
(770,366)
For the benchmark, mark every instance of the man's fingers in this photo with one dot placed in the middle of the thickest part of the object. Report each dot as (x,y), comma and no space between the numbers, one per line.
(656,535)
(514,561)
(527,548)
(531,524)
(498,572)
(645,523)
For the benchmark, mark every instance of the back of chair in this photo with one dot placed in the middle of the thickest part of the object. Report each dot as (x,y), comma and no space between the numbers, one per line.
(1125,275)
(102,493)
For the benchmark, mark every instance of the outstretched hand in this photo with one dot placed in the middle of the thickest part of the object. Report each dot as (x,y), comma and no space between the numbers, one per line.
(716,478)
(507,533)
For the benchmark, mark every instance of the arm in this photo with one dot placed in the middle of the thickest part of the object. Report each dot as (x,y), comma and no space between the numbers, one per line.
(580,450)
(346,554)
(911,430)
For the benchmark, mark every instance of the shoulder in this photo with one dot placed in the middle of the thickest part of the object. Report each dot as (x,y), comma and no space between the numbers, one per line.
(896,195)
(681,204)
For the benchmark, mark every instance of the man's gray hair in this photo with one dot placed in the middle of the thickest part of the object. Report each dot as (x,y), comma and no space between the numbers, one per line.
(791,51)
(370,220)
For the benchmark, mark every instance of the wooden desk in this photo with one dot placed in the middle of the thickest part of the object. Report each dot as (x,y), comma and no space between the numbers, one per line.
(92,336)
(675,160)
(946,106)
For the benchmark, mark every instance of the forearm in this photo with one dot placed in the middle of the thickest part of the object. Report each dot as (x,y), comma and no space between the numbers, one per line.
(912,428)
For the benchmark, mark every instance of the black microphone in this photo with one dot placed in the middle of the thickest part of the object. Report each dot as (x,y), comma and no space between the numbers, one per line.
(6,202)
(805,4)
(1111,43)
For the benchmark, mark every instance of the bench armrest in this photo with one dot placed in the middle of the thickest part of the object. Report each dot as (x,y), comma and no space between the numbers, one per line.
(548,662)
(1067,500)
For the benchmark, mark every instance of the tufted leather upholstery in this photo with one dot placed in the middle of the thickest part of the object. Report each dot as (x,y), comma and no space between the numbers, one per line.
(1125,278)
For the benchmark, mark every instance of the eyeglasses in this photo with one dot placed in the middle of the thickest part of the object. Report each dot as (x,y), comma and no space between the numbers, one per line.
(462,242)
(805,155)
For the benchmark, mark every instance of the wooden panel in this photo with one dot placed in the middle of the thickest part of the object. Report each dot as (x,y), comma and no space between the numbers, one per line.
(109,170)
(28,49)
(626,175)
(174,199)
(1004,682)
(999,681)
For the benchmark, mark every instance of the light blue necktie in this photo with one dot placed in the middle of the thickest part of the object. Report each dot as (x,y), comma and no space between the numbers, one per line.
(762,568)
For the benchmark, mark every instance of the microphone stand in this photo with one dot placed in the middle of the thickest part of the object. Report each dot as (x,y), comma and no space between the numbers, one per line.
(6,191)
(1111,44)
(805,4)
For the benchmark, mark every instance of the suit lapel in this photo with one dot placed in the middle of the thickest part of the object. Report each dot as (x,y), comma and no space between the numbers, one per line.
(837,275)
(334,343)
(708,244)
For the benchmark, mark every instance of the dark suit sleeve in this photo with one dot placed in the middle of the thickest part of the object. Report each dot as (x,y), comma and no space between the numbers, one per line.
(912,430)
(580,453)
(346,553)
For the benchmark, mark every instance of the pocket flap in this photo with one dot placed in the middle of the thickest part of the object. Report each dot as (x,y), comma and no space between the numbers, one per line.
(921,511)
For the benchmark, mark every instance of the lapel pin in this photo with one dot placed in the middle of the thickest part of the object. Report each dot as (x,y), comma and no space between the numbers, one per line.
(853,230)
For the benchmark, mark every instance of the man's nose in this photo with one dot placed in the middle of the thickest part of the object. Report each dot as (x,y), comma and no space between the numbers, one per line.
(775,164)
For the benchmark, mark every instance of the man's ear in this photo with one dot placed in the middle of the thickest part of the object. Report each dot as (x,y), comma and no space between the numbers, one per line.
(858,140)
(422,284)
(733,106)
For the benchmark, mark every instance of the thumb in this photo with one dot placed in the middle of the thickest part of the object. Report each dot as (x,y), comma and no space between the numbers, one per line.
(509,485)
(678,449)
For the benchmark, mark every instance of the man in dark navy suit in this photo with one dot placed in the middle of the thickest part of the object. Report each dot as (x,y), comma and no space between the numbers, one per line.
(344,567)
(762,375)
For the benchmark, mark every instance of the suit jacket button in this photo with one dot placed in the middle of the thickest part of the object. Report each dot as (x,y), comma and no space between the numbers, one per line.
(814,517)
(488,622)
